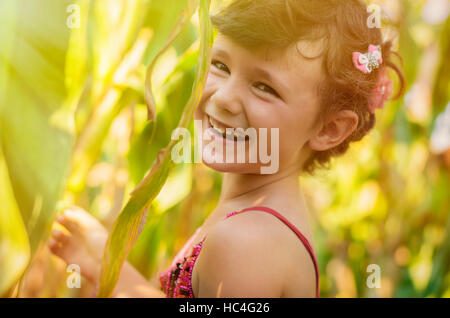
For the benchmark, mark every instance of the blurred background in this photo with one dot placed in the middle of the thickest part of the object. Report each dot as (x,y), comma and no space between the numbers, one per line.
(74,129)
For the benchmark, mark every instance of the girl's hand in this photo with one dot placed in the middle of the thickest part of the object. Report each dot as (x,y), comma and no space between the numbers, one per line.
(81,242)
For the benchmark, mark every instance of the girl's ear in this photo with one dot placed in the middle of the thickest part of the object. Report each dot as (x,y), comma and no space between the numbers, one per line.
(334,130)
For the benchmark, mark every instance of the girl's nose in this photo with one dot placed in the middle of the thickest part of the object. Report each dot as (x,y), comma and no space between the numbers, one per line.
(228,98)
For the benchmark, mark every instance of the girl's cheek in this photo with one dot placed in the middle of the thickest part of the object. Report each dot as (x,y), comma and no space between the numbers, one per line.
(208,90)
(212,82)
(209,86)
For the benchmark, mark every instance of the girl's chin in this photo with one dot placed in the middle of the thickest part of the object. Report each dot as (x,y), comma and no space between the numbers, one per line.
(241,168)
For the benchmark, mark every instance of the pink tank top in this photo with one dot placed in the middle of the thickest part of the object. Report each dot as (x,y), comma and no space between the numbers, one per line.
(176,281)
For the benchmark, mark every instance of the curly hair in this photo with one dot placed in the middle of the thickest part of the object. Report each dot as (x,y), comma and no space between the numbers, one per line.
(342,24)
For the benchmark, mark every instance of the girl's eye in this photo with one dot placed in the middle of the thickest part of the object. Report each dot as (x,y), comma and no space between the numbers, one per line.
(267,89)
(220,66)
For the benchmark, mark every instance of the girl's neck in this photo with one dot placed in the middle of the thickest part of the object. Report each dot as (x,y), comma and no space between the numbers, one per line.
(245,190)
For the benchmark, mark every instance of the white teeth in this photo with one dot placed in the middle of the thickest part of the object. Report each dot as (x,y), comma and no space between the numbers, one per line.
(219,129)
(239,133)
(229,131)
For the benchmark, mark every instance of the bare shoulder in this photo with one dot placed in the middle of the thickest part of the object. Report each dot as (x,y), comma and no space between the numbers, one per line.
(247,255)
(285,248)
(236,260)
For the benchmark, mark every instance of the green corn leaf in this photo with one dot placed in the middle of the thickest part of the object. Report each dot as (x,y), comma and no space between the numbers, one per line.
(14,246)
(129,223)
(179,26)
(94,133)
(36,147)
(34,151)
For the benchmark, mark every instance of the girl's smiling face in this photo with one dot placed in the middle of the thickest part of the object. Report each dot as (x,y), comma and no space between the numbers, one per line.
(261,89)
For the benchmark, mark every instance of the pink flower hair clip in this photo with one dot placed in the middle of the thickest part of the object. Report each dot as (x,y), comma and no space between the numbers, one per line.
(381,92)
(369,61)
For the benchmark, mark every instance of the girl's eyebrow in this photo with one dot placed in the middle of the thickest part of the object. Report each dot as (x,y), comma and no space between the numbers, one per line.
(221,52)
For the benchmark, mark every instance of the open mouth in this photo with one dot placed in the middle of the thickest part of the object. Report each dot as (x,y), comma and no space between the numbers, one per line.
(229,133)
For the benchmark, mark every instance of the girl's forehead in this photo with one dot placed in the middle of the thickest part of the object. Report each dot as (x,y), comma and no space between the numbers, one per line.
(299,61)
(225,45)
(299,53)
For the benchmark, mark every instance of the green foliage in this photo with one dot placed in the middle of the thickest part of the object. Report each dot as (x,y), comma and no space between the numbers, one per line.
(14,249)
(34,148)
(75,129)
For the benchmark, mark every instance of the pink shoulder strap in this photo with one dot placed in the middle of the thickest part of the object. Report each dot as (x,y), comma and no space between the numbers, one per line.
(293,228)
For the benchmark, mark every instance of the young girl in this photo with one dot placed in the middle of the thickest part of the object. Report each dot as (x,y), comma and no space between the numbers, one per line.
(313,70)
